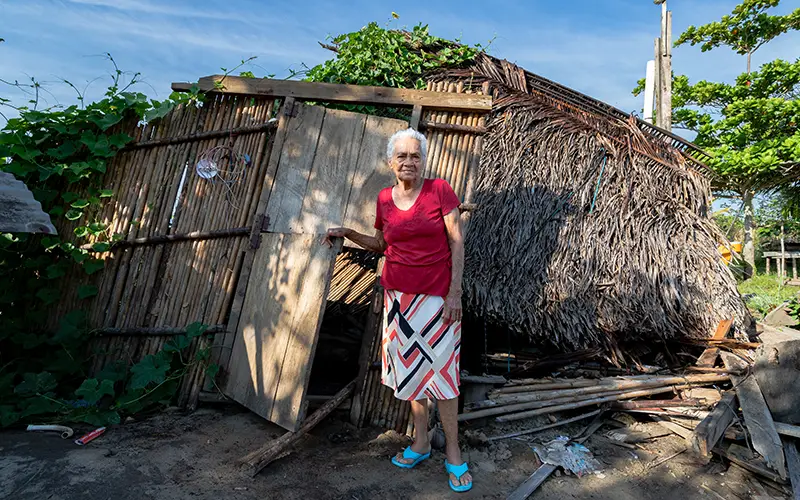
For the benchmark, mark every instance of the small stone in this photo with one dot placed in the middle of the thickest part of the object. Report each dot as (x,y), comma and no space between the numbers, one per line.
(476,438)
(129,420)
(558,473)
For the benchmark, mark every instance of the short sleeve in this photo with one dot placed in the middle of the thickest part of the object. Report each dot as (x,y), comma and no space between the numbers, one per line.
(448,199)
(378,215)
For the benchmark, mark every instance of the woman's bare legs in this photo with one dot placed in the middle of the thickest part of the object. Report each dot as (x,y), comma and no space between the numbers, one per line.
(448,412)
(422,442)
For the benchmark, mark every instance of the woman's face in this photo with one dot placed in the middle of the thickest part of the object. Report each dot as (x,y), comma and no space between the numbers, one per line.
(407,159)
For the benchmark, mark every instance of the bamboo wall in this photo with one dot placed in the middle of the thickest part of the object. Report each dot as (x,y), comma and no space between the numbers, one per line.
(172,284)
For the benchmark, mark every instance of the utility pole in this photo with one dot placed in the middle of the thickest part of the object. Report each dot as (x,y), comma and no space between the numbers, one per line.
(663,69)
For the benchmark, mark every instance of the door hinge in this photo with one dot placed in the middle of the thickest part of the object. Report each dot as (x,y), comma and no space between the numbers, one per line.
(261,226)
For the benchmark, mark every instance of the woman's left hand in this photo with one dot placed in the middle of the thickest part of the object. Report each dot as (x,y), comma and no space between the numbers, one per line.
(452,307)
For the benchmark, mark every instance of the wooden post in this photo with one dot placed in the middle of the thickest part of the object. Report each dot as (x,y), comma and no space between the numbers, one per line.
(416,114)
(783,256)
(657,97)
(794,268)
(767,259)
(664,71)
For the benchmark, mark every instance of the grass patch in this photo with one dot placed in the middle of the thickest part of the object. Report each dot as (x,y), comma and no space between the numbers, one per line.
(763,293)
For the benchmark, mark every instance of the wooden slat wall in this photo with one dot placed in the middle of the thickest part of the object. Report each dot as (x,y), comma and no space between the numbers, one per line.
(452,155)
(173,284)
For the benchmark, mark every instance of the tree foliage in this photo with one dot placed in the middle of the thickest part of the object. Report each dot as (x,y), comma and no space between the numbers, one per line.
(745,30)
(750,127)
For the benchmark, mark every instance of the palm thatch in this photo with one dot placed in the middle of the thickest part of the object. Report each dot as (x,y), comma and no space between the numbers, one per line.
(593,227)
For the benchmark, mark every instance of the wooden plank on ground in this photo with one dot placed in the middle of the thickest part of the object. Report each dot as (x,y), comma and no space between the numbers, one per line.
(296,158)
(711,429)
(331,178)
(372,175)
(757,416)
(260,458)
(277,335)
(742,457)
(340,93)
(793,464)
(709,356)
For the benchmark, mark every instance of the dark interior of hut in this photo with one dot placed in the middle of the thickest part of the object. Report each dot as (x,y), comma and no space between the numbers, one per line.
(487,347)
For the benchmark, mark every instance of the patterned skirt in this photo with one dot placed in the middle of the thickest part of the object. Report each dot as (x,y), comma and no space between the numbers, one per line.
(420,352)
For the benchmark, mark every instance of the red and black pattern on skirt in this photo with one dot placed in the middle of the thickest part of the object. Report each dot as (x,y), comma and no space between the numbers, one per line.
(421,353)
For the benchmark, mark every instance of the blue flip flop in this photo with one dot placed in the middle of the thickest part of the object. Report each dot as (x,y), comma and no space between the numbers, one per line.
(458,471)
(410,454)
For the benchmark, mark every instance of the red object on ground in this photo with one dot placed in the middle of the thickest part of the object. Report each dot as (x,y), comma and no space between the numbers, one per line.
(90,437)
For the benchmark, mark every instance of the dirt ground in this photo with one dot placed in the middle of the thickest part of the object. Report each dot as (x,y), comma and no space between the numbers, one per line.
(176,456)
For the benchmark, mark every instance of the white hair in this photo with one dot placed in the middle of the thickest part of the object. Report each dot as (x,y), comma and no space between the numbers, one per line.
(402,134)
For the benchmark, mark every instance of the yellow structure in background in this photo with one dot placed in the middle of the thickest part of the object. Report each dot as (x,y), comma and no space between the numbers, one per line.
(726,252)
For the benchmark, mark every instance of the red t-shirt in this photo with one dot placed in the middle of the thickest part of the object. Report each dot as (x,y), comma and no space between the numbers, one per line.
(417,253)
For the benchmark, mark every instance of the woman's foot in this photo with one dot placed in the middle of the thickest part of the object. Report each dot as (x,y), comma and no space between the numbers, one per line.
(454,458)
(421,448)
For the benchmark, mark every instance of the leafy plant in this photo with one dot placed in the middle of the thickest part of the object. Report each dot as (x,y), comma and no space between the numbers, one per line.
(382,57)
(61,154)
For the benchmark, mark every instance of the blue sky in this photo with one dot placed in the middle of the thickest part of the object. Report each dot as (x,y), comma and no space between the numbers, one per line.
(599,47)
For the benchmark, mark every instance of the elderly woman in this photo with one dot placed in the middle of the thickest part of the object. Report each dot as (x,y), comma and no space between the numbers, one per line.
(418,229)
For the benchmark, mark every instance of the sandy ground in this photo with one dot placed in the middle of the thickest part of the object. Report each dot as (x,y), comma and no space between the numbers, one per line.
(177,456)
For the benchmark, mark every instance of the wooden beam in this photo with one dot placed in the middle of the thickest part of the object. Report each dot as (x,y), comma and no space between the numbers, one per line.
(154,331)
(331,92)
(254,462)
(708,432)
(416,115)
(169,238)
(788,430)
(757,416)
(709,356)
(214,134)
(739,455)
(793,464)
(452,127)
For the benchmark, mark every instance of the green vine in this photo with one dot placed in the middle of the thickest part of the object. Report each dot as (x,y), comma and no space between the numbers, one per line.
(61,154)
(384,57)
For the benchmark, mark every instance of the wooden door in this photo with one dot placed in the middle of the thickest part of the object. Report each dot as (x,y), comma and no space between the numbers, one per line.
(331,166)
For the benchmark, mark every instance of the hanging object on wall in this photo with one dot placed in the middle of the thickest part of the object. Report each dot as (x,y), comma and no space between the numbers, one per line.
(224,165)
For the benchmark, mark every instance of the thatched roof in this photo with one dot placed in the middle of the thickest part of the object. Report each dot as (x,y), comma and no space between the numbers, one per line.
(593,226)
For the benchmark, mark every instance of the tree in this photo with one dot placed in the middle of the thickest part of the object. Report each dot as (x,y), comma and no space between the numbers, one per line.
(747,29)
(750,127)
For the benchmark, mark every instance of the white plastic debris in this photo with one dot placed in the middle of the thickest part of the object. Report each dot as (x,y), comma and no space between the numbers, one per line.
(66,432)
(573,457)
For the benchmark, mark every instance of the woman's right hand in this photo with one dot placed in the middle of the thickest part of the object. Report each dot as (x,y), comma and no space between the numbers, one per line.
(336,232)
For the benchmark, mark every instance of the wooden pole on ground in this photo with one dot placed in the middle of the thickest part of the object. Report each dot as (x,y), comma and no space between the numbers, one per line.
(254,462)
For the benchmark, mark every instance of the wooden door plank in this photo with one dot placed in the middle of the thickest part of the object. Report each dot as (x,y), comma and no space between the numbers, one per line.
(757,416)
(308,306)
(332,92)
(221,355)
(297,156)
(372,175)
(256,335)
(275,344)
(331,175)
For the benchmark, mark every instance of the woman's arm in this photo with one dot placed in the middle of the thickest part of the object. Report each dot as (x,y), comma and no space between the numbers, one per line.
(372,243)
(452,303)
